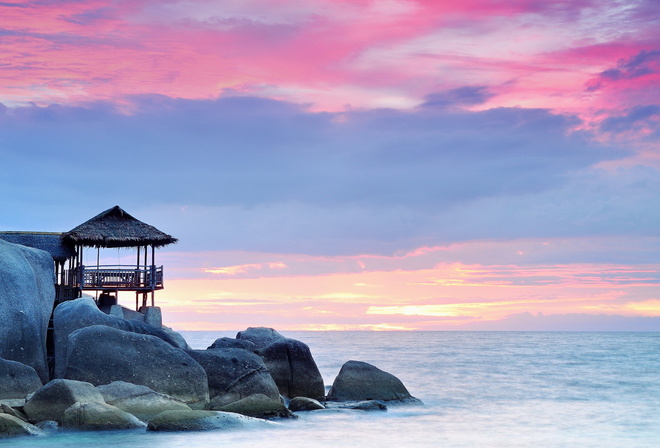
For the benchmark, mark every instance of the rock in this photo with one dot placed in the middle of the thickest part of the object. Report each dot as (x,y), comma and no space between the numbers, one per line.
(48,426)
(50,402)
(179,340)
(17,380)
(81,313)
(367,405)
(27,295)
(259,336)
(98,417)
(101,355)
(359,381)
(203,421)
(15,412)
(233,343)
(234,374)
(11,426)
(300,404)
(140,401)
(294,370)
(257,405)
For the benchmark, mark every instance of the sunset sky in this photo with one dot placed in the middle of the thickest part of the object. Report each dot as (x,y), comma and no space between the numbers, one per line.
(351,164)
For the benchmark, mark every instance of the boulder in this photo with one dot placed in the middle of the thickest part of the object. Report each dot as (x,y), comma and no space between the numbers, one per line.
(257,405)
(367,405)
(203,421)
(81,313)
(50,402)
(294,370)
(11,426)
(259,336)
(360,381)
(15,412)
(140,401)
(233,343)
(299,404)
(27,295)
(101,355)
(98,417)
(17,380)
(234,374)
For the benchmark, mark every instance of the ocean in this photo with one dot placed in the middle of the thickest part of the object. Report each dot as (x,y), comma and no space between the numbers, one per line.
(480,389)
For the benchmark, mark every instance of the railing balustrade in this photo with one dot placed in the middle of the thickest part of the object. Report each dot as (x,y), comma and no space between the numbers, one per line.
(122,277)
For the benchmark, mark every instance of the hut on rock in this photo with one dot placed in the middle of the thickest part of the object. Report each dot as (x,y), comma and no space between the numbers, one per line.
(113,228)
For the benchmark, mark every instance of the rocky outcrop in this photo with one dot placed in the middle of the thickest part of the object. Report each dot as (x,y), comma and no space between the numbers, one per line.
(101,355)
(140,401)
(81,313)
(258,405)
(98,417)
(203,421)
(234,374)
(259,336)
(293,368)
(17,380)
(26,301)
(51,401)
(360,381)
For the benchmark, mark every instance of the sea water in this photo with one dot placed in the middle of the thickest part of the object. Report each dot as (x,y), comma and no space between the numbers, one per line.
(480,389)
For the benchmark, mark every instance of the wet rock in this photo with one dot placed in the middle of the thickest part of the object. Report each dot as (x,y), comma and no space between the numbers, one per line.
(359,381)
(203,421)
(101,355)
(140,401)
(234,374)
(17,380)
(294,370)
(257,405)
(98,417)
(300,404)
(12,411)
(367,405)
(11,426)
(27,295)
(50,402)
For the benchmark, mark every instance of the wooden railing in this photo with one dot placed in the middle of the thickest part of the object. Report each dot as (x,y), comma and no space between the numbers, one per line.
(126,278)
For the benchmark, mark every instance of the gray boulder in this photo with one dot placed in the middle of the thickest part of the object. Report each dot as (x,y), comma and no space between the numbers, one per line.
(11,426)
(300,404)
(234,374)
(140,401)
(257,405)
(360,381)
(50,402)
(80,313)
(203,421)
(259,336)
(98,417)
(17,380)
(233,343)
(294,370)
(101,355)
(27,295)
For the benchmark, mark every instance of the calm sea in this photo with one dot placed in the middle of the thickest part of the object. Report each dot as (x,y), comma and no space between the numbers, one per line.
(481,389)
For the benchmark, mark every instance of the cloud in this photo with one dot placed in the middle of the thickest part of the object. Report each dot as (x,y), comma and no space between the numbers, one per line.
(243,173)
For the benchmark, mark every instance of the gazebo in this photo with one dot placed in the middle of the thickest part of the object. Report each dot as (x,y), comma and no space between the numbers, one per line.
(115,228)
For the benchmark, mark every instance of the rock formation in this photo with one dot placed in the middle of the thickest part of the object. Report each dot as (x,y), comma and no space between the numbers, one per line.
(27,295)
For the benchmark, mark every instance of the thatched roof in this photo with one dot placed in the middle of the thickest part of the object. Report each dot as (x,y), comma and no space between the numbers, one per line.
(48,241)
(116,228)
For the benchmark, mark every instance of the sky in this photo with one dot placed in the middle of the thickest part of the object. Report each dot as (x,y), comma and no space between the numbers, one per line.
(351,164)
